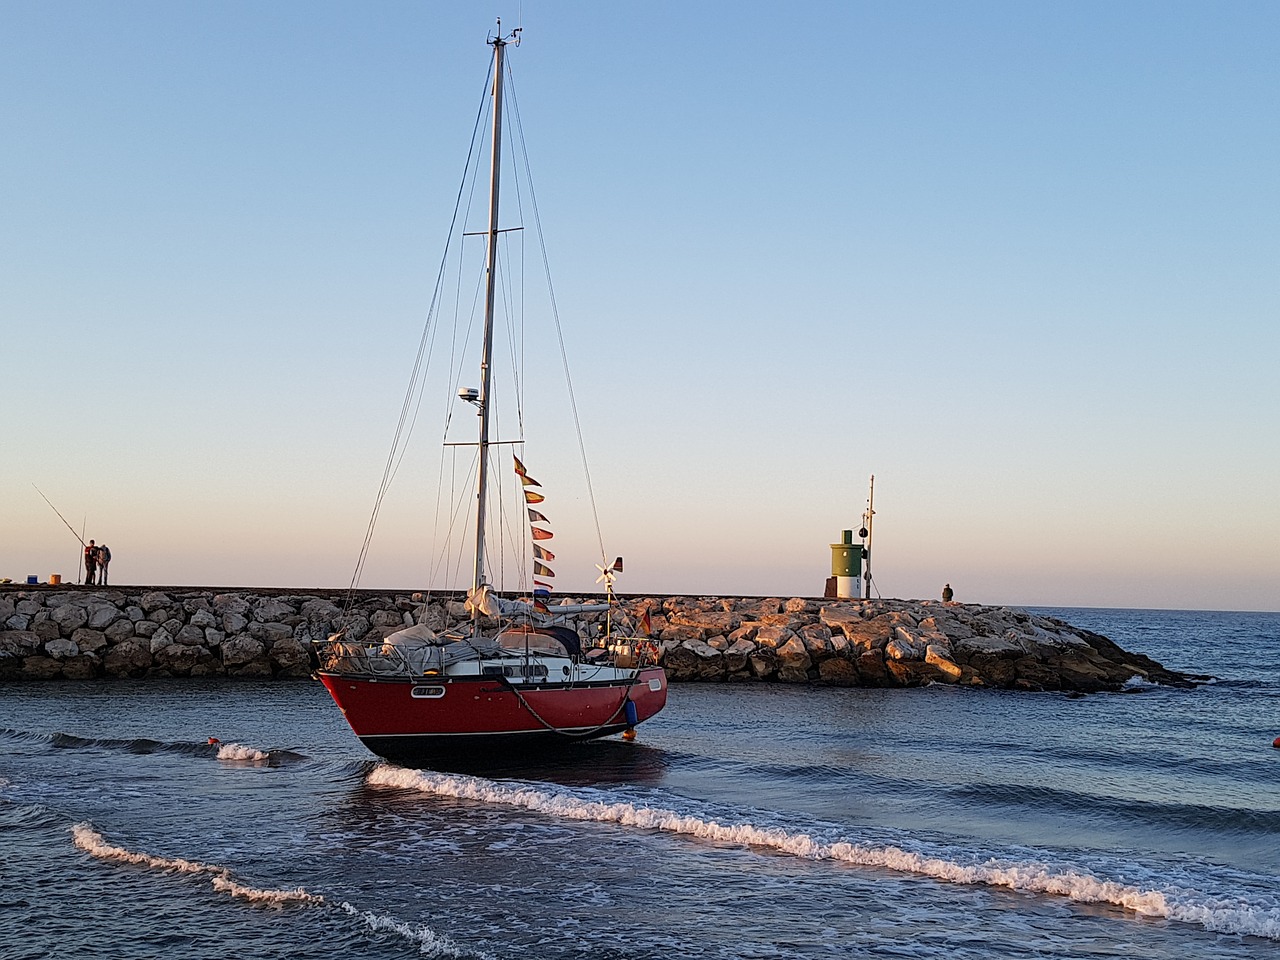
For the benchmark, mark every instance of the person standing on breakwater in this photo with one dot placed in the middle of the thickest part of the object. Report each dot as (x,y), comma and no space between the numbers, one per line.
(947,592)
(104,558)
(90,563)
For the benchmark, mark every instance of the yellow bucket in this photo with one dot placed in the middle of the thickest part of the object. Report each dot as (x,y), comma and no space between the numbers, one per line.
(55,579)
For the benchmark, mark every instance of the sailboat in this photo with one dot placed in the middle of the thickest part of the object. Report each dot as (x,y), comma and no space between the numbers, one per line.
(521,673)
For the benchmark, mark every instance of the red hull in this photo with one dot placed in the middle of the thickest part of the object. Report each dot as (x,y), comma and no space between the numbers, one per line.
(484,715)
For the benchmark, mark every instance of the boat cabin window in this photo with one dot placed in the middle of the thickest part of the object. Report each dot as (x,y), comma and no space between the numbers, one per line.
(525,670)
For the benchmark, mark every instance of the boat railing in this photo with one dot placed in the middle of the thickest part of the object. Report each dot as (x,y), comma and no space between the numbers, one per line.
(357,658)
(352,658)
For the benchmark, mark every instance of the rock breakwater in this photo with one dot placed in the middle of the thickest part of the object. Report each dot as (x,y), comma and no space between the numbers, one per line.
(82,633)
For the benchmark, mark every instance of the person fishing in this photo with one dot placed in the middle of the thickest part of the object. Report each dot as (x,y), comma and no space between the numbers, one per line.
(94,556)
(104,558)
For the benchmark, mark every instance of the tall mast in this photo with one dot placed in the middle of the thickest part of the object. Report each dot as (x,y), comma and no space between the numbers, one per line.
(867,520)
(491,273)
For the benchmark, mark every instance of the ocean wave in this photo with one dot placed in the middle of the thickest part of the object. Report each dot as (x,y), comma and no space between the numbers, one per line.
(1222,914)
(239,753)
(429,942)
(139,745)
(233,752)
(25,736)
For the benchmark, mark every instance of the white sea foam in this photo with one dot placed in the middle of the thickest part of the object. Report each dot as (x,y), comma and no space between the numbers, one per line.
(429,942)
(1224,915)
(238,753)
(90,841)
(224,884)
(1139,682)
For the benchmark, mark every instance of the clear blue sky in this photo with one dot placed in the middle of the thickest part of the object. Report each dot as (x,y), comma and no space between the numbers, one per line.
(1018,260)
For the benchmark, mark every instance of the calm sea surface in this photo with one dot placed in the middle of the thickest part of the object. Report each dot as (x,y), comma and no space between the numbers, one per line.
(746,821)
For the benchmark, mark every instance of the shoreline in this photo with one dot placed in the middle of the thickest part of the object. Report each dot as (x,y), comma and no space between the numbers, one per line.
(76,632)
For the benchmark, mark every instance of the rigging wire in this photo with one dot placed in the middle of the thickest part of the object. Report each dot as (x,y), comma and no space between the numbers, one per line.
(417,378)
(555,313)
(513,289)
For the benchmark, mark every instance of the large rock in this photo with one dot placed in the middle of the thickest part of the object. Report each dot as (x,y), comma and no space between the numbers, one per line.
(242,649)
(61,649)
(939,657)
(867,634)
(737,657)
(793,661)
(288,653)
(764,663)
(19,643)
(272,633)
(130,658)
(84,667)
(160,639)
(41,668)
(180,658)
(233,622)
(838,672)
(709,622)
(386,618)
(89,641)
(912,673)
(122,629)
(272,610)
(872,669)
(773,635)
(817,640)
(102,615)
(190,635)
(225,603)
(45,628)
(155,600)
(680,662)
(904,646)
(69,617)
(202,618)
(353,627)
(320,609)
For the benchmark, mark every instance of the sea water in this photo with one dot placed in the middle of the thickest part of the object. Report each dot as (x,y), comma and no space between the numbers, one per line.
(752,821)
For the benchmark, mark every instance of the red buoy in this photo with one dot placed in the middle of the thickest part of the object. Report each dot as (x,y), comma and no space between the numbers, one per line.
(1276,743)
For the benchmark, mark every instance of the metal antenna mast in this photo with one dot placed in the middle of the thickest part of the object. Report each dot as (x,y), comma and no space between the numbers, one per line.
(866,530)
(491,274)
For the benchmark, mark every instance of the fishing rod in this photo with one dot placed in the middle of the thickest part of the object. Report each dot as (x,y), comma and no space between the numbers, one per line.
(61,517)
